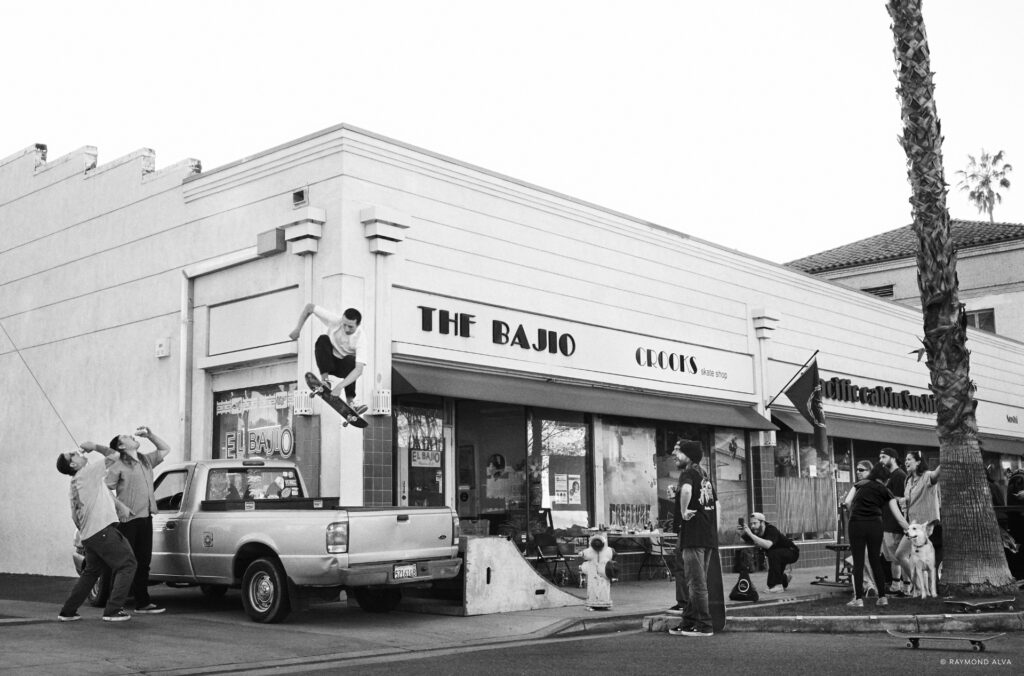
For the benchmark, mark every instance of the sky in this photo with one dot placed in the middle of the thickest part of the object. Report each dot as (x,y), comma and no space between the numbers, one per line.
(768,126)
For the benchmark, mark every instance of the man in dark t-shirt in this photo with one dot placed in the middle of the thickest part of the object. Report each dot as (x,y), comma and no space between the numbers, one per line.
(696,520)
(891,531)
(779,549)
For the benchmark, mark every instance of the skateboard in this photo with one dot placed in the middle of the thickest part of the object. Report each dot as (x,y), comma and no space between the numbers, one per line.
(978,605)
(716,592)
(977,640)
(318,389)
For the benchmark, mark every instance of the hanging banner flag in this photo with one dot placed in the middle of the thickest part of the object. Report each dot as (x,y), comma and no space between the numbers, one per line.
(805,393)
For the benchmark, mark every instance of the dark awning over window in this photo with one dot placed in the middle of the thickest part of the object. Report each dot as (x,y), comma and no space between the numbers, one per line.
(794,421)
(510,389)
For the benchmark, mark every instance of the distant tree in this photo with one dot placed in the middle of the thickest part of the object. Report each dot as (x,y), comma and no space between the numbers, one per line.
(983,179)
(973,562)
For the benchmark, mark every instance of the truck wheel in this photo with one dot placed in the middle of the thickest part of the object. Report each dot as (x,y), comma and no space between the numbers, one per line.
(265,591)
(378,600)
(213,591)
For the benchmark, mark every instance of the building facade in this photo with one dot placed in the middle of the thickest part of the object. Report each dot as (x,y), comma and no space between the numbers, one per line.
(529,353)
(990,269)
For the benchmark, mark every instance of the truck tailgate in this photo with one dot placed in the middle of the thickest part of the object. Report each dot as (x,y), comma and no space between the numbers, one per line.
(400,534)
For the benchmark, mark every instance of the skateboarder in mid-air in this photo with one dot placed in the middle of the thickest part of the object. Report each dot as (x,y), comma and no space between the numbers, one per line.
(339,352)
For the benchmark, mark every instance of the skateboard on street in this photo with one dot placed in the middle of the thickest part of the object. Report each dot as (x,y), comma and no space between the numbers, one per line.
(977,640)
(979,605)
(318,389)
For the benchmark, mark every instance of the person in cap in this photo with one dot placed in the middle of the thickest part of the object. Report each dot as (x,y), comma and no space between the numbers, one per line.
(695,520)
(96,515)
(896,579)
(778,549)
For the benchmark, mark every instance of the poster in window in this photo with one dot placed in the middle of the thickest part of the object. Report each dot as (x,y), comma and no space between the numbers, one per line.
(574,489)
(254,421)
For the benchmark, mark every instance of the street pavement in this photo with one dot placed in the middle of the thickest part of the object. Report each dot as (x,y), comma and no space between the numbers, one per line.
(213,636)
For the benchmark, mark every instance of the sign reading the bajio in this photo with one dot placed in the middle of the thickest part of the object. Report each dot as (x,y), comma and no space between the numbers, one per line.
(473,333)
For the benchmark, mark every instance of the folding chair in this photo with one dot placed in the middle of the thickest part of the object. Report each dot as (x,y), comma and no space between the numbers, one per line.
(547,551)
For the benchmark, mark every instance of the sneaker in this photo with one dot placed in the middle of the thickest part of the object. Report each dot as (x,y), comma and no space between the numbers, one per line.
(120,616)
(697,631)
(677,608)
(856,603)
(68,618)
(882,601)
(775,590)
(326,380)
(680,630)
(150,609)
(360,409)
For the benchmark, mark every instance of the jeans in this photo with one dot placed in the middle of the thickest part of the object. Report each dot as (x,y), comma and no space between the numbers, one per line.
(866,534)
(696,561)
(777,560)
(139,533)
(107,547)
(327,362)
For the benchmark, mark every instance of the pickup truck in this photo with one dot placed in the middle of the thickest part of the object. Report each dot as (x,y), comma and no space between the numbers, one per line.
(248,524)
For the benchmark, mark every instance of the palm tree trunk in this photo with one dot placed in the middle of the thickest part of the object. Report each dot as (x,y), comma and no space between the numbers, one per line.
(973,563)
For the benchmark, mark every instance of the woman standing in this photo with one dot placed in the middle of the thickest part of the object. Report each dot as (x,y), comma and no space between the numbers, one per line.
(865,501)
(922,499)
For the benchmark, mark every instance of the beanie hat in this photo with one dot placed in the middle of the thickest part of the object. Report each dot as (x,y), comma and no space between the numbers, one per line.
(692,450)
(64,465)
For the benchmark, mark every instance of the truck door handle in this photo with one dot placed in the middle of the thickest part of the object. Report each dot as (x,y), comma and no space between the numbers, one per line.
(403,517)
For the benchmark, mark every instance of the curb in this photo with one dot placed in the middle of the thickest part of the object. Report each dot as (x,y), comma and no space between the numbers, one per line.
(986,622)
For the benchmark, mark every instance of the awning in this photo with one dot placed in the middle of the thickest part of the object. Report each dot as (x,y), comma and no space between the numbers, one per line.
(1004,445)
(794,421)
(882,431)
(510,389)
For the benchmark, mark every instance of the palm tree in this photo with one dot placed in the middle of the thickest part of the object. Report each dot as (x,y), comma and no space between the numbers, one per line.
(982,181)
(973,561)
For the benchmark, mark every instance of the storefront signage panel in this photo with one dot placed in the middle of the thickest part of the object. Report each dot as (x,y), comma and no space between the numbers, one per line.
(255,421)
(547,344)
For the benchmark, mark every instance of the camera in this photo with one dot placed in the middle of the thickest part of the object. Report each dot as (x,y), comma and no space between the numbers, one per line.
(741,521)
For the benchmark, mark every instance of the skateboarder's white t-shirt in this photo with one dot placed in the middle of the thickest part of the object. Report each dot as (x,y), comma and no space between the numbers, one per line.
(344,344)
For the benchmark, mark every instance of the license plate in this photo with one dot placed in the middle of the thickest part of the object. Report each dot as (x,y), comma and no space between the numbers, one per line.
(405,570)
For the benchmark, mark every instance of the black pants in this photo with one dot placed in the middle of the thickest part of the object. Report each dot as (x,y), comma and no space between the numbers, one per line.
(106,551)
(139,533)
(327,362)
(777,560)
(867,534)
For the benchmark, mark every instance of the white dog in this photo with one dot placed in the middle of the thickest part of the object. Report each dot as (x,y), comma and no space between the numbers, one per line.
(922,559)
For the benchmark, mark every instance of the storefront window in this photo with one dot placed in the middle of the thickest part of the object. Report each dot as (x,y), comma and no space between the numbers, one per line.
(254,421)
(421,447)
(629,475)
(558,480)
(731,479)
(806,488)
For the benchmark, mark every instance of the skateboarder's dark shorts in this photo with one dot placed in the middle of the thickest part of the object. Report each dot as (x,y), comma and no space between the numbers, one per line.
(328,362)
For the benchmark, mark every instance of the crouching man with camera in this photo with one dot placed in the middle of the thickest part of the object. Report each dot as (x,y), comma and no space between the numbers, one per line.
(779,549)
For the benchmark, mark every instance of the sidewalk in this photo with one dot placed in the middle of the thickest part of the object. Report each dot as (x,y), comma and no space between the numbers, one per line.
(205,636)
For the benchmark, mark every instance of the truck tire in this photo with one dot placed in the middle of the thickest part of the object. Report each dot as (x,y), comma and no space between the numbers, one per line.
(378,600)
(213,591)
(265,591)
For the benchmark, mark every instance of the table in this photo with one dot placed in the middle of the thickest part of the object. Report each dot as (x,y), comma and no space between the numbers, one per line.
(654,543)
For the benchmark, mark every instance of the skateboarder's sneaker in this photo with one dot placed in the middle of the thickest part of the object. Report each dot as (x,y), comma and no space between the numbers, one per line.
(698,631)
(326,380)
(68,618)
(121,615)
(357,407)
(150,609)
(680,630)
(882,601)
(856,603)
(676,609)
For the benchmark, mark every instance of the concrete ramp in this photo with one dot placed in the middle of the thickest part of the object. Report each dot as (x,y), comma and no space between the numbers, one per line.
(500,580)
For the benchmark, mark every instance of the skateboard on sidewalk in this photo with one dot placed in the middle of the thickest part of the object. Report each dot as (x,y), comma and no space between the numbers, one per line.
(979,605)
(977,640)
(318,389)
